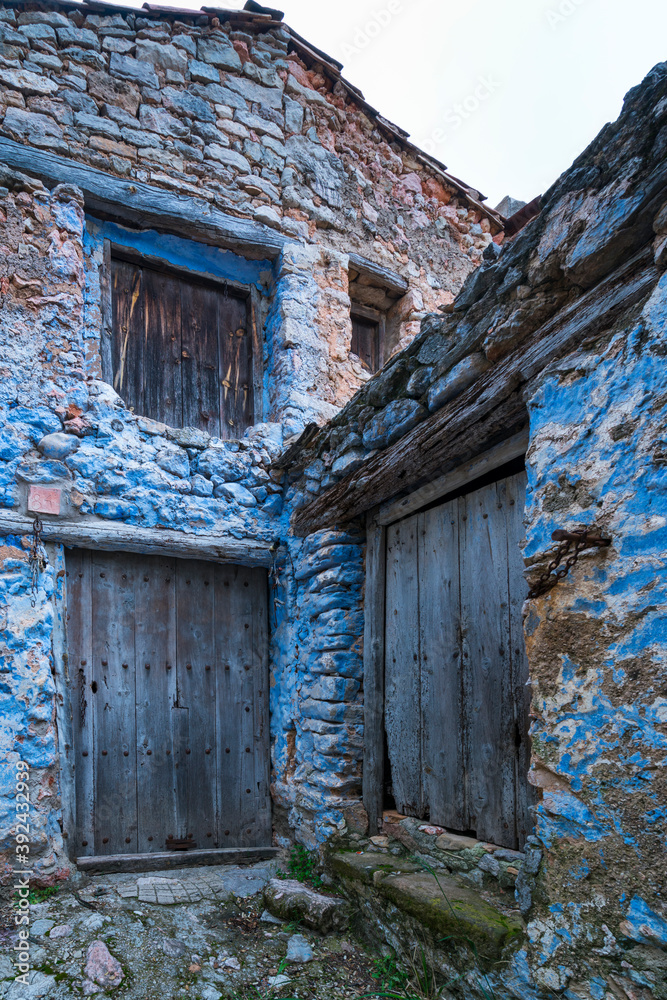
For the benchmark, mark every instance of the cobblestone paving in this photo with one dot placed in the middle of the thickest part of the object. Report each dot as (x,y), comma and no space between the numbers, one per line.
(194,934)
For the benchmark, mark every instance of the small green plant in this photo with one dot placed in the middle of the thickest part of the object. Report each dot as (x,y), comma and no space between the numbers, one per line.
(36,895)
(389,974)
(303,865)
(264,994)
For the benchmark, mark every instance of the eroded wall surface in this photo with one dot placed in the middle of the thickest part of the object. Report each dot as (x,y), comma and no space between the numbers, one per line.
(64,429)
(565,328)
(229,113)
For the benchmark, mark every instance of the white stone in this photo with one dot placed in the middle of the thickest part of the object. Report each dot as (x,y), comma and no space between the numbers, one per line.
(276,981)
(299,950)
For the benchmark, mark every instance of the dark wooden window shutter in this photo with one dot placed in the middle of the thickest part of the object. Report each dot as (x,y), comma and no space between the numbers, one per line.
(366,340)
(181,350)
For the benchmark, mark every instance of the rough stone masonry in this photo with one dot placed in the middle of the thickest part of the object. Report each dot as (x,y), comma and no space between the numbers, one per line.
(227,124)
(565,327)
(221,144)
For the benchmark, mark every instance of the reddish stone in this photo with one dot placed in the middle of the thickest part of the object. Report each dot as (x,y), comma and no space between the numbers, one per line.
(78,426)
(241,50)
(299,73)
(101,966)
(108,90)
(433,189)
(407,187)
(44,500)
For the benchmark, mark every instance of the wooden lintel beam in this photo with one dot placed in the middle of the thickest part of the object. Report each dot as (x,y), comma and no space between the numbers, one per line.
(115,537)
(513,447)
(145,204)
(473,419)
(391,280)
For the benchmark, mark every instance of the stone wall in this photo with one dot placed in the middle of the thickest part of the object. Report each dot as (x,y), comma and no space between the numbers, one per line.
(317,707)
(65,429)
(569,322)
(228,111)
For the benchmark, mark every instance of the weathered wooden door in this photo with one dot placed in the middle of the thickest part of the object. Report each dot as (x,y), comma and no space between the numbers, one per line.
(456,701)
(169,673)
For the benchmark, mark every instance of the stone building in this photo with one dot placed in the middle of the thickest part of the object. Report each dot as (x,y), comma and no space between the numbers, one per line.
(281,464)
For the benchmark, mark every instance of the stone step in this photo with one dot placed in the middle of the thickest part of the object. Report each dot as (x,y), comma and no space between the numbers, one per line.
(455,913)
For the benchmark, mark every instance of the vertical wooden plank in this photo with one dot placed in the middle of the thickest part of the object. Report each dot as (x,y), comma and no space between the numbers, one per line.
(260,807)
(199,357)
(230,706)
(236,402)
(374,615)
(382,341)
(112,697)
(402,681)
(241,616)
(195,672)
(518,592)
(159,739)
(79,644)
(106,309)
(163,399)
(486,661)
(66,747)
(365,341)
(440,648)
(128,333)
(255,305)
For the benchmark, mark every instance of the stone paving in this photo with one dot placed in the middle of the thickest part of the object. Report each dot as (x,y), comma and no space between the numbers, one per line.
(193,934)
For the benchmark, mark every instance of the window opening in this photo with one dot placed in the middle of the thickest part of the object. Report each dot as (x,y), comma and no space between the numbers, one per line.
(181,348)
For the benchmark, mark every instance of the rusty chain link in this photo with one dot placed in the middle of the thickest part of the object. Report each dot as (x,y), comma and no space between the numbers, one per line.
(570,542)
(36,560)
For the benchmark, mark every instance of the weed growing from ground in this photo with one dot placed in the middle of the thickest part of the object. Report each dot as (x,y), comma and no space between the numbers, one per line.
(390,975)
(303,867)
(36,895)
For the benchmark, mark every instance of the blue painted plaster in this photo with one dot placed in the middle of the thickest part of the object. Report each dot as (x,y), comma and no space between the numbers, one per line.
(187,255)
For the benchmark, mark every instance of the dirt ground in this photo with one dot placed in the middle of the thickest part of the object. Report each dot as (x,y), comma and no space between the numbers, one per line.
(200,934)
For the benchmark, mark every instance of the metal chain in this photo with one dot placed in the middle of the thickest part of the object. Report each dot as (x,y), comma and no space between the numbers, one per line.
(36,560)
(579,539)
(82,697)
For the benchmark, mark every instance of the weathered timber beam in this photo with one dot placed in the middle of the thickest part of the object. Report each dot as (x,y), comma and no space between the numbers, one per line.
(391,280)
(427,451)
(112,537)
(488,461)
(146,205)
(163,860)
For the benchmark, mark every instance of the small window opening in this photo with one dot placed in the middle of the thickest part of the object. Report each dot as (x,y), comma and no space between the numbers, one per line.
(366,340)
(181,348)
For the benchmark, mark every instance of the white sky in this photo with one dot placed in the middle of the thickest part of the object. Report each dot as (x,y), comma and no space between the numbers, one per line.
(555,72)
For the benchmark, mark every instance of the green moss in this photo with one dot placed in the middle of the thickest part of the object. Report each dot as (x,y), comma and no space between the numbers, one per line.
(454,913)
(363,866)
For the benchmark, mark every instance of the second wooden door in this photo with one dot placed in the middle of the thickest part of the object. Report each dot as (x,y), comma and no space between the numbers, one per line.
(456,701)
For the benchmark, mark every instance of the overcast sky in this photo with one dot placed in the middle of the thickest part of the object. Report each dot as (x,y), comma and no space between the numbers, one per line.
(505,92)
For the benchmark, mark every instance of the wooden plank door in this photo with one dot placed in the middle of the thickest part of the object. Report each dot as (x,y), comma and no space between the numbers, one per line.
(442,711)
(170,703)
(487,665)
(456,703)
(402,674)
